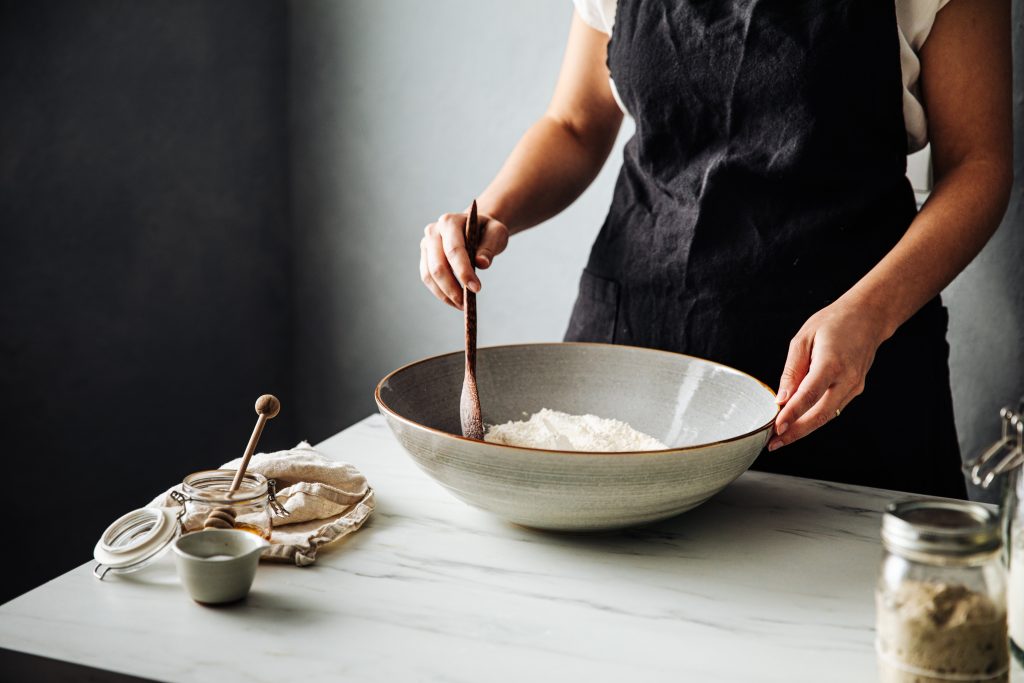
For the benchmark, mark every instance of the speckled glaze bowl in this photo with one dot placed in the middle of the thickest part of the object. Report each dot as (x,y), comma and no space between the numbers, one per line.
(715,419)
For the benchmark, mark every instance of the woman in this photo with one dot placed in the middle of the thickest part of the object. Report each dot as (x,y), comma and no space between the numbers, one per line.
(762,217)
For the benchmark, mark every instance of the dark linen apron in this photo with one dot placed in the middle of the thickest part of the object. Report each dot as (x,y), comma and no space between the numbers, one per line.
(766,176)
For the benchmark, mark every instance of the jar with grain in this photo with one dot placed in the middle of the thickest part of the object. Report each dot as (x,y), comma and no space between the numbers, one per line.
(941,594)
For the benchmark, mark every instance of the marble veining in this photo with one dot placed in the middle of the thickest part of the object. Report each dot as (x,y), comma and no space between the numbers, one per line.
(770,580)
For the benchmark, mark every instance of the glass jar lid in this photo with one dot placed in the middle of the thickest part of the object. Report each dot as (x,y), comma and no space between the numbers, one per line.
(135,540)
(948,528)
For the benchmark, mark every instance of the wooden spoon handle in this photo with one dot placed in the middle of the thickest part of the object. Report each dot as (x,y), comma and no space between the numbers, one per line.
(469,307)
(469,407)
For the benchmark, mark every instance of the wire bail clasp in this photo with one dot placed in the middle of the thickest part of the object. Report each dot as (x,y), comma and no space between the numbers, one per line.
(275,504)
(987,467)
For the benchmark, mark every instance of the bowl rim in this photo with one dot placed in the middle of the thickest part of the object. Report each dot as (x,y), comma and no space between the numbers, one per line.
(387,409)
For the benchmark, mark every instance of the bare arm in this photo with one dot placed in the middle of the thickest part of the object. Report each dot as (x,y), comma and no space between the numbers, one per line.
(966,84)
(561,154)
(554,162)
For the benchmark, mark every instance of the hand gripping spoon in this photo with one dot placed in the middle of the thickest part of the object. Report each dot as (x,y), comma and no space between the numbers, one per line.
(469,406)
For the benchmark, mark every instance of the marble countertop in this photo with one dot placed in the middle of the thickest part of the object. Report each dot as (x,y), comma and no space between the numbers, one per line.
(771,580)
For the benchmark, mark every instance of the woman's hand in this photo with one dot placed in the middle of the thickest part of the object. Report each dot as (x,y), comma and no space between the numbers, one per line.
(827,364)
(444,261)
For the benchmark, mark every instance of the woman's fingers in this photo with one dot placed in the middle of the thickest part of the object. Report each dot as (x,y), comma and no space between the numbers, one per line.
(452,229)
(820,398)
(798,362)
(810,390)
(428,279)
(493,240)
(440,271)
(818,415)
(823,412)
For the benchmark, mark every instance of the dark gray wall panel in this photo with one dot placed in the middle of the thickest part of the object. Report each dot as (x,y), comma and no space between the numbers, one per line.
(144,256)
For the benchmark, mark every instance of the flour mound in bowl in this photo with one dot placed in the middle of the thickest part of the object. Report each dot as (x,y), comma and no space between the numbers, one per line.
(557,431)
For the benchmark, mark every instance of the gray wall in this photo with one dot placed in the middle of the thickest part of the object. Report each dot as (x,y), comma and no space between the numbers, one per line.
(144,285)
(401,111)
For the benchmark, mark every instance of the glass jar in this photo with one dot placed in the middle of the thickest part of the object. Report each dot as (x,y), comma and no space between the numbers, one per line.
(1013,519)
(941,596)
(209,502)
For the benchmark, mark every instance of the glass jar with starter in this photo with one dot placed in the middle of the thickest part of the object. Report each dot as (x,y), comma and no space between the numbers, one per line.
(210,503)
(941,595)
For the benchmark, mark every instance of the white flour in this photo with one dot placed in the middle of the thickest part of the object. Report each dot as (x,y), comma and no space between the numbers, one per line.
(557,431)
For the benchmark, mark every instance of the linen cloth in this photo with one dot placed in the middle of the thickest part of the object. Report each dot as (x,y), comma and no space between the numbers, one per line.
(326,500)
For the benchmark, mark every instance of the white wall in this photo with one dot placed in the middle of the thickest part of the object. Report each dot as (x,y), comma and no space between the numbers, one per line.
(404,110)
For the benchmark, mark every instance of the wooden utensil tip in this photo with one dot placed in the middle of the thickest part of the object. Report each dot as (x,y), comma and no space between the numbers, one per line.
(268,405)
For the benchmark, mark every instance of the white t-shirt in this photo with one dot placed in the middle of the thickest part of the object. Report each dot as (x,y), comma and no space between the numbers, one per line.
(914,19)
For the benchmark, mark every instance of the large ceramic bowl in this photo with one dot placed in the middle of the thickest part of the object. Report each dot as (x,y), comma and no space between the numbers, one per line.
(715,419)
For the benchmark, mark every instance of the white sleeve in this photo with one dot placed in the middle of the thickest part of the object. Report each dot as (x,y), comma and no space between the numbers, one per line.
(916,18)
(598,14)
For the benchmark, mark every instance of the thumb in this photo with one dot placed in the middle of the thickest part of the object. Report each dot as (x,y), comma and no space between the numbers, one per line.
(493,240)
(798,363)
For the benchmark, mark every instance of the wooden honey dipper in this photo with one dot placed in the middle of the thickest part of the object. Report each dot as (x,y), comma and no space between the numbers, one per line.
(223,517)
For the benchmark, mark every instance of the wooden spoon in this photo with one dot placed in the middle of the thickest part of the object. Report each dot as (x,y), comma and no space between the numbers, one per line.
(223,517)
(469,405)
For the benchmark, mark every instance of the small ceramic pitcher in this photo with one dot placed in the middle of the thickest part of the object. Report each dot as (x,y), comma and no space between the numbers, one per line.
(218,565)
